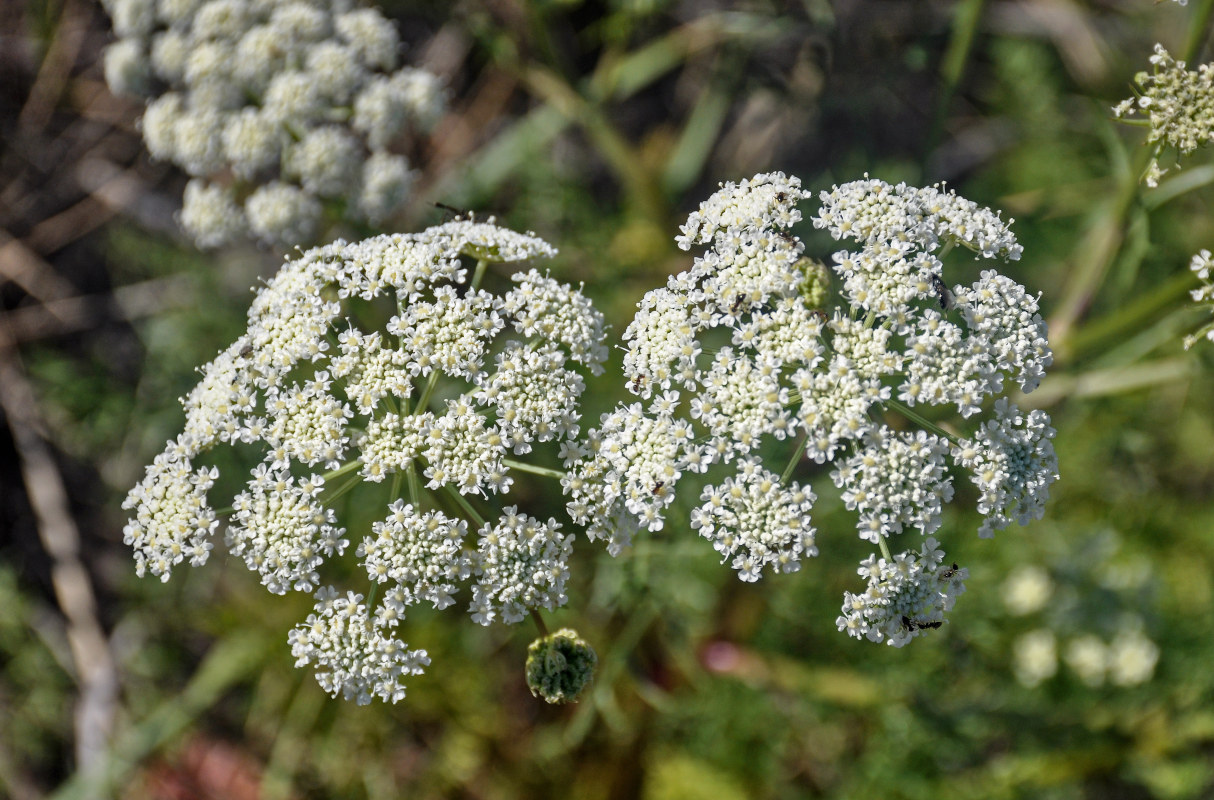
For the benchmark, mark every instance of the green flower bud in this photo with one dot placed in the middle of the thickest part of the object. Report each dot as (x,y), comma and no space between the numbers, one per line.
(816,285)
(559,666)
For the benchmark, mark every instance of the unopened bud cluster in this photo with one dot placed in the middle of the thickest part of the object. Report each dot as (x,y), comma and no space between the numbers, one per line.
(560,666)
(283,111)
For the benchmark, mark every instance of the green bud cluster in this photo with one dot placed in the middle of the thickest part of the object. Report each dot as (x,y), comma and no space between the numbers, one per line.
(559,666)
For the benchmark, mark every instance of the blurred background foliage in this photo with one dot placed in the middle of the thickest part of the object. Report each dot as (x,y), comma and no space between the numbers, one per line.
(599,125)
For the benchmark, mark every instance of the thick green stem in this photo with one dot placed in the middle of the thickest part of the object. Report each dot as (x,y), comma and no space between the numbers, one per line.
(1197,30)
(884,548)
(961,43)
(1103,241)
(523,467)
(344,488)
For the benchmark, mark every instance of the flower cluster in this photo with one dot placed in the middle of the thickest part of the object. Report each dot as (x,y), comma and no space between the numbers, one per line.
(1202,265)
(1176,103)
(277,108)
(739,350)
(1088,612)
(312,390)
(906,595)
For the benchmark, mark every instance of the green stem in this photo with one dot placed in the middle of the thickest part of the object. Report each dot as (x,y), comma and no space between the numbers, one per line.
(424,401)
(343,489)
(796,456)
(1197,30)
(463,503)
(342,470)
(1103,240)
(914,416)
(884,548)
(415,489)
(396,480)
(523,467)
(1131,318)
(479,273)
(960,45)
(539,621)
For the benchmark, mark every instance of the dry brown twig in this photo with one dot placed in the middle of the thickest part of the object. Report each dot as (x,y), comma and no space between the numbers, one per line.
(94,664)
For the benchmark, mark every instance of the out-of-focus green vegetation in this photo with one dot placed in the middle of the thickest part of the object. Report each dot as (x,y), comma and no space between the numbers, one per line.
(600,125)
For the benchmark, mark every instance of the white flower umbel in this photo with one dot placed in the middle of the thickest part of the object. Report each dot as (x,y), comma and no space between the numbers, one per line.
(1202,266)
(757,522)
(1013,465)
(897,480)
(283,531)
(423,553)
(172,519)
(520,564)
(354,654)
(437,396)
(302,97)
(1176,103)
(906,596)
(744,349)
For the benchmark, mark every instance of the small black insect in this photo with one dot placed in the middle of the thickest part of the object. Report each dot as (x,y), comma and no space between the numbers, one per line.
(950,572)
(917,625)
(781,196)
(657,487)
(821,315)
(247,350)
(943,295)
(637,383)
(457,212)
(737,303)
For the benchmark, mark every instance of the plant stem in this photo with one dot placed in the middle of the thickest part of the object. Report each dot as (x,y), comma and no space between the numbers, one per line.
(523,467)
(884,548)
(539,621)
(342,470)
(415,489)
(960,44)
(344,488)
(463,503)
(479,273)
(796,456)
(1197,30)
(914,416)
(1103,240)
(424,400)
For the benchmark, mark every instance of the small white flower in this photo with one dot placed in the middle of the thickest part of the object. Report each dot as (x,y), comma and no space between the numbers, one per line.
(1088,657)
(1027,589)
(1035,657)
